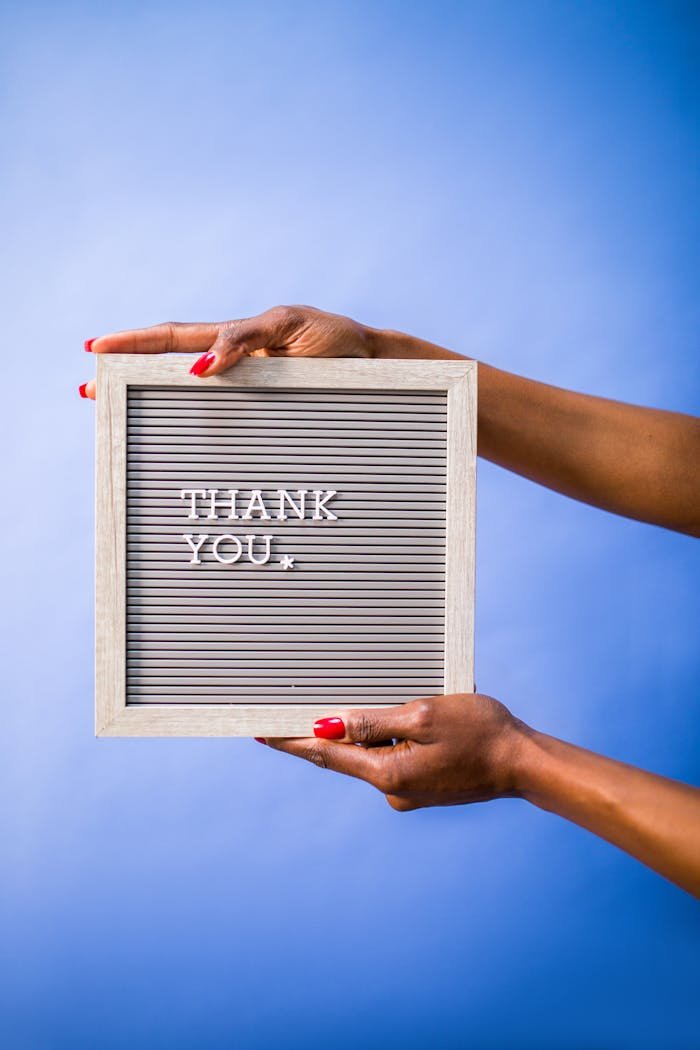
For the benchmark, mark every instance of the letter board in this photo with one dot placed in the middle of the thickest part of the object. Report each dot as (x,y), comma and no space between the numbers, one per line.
(289,539)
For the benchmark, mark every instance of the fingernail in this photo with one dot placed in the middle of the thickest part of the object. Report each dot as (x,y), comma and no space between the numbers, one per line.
(88,344)
(330,728)
(260,739)
(82,389)
(202,363)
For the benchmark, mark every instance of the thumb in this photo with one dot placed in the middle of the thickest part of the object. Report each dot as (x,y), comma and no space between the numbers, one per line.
(377,725)
(224,352)
(250,335)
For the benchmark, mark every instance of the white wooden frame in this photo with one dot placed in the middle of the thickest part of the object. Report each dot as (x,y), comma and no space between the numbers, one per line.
(114,374)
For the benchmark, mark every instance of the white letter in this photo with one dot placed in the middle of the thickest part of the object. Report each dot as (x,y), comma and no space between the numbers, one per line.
(257,561)
(220,539)
(213,493)
(256,500)
(212,503)
(320,504)
(299,511)
(193,506)
(196,547)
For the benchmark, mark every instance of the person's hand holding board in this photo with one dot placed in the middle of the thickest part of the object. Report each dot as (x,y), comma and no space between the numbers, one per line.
(638,462)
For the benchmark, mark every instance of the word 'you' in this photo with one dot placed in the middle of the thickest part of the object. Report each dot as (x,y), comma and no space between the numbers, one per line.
(228,548)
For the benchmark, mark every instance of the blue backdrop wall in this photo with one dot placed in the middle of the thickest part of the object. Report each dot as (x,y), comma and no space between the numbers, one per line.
(517,181)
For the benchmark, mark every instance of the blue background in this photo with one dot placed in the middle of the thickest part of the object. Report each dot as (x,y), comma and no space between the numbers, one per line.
(517,181)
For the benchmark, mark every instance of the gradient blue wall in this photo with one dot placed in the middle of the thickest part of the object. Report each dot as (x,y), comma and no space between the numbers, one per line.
(517,181)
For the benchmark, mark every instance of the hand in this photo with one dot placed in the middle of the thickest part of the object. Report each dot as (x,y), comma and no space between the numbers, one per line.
(470,748)
(289,331)
(450,750)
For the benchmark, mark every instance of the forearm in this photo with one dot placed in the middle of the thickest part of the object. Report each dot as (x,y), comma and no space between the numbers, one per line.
(655,819)
(638,462)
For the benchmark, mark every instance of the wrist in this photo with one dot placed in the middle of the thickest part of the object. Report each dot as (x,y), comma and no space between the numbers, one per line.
(526,758)
(373,342)
(547,770)
(383,343)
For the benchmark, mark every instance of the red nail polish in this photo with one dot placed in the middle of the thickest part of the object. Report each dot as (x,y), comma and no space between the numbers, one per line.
(260,739)
(330,728)
(88,344)
(82,389)
(202,363)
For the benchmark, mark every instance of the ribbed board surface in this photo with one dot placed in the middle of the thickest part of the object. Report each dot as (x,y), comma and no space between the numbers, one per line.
(359,616)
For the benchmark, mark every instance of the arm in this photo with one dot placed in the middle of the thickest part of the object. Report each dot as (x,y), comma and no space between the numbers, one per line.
(638,462)
(469,748)
(655,819)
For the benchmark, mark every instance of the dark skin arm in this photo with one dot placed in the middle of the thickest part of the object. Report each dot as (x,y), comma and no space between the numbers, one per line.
(453,750)
(641,463)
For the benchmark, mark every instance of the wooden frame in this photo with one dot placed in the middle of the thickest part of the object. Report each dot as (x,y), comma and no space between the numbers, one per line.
(114,374)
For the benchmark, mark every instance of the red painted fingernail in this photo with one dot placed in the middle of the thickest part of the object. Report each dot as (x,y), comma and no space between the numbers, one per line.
(260,739)
(202,363)
(82,389)
(330,728)
(88,344)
